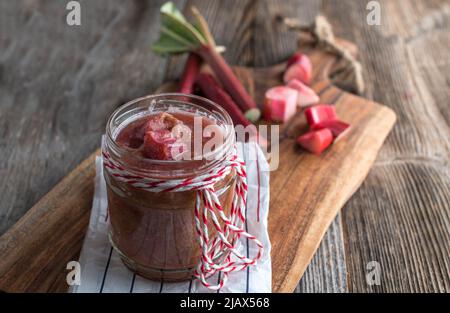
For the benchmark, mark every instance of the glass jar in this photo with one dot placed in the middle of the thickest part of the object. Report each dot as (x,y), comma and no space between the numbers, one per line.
(154,232)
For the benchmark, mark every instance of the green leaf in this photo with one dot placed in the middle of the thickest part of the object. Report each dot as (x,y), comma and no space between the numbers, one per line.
(166,45)
(183,27)
(170,9)
(199,29)
(177,35)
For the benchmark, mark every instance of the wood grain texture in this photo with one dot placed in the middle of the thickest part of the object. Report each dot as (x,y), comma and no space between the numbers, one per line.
(272,43)
(327,270)
(309,195)
(306,190)
(309,191)
(36,250)
(257,40)
(58,84)
(400,216)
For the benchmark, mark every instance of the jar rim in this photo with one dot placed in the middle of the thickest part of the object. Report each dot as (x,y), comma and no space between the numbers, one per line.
(215,156)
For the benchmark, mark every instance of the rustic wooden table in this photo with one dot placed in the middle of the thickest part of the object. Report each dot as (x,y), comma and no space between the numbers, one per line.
(58,83)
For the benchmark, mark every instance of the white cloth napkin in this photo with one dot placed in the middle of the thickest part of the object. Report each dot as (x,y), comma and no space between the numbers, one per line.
(103,271)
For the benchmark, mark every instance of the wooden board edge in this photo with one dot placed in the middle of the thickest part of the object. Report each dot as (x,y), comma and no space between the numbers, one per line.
(46,205)
(319,226)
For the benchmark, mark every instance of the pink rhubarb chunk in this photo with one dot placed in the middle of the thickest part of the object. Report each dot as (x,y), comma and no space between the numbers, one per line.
(298,67)
(158,144)
(337,127)
(306,96)
(320,113)
(316,141)
(161,121)
(324,116)
(280,104)
(163,138)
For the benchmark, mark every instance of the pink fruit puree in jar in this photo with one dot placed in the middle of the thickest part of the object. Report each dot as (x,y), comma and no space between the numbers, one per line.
(156,137)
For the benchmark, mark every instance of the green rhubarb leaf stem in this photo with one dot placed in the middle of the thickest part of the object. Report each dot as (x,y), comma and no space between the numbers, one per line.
(178,35)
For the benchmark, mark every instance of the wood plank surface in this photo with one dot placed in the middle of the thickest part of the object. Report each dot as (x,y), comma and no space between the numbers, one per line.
(306,190)
(58,84)
(400,217)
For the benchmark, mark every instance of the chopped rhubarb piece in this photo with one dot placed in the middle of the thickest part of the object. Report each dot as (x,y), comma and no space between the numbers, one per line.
(183,132)
(306,96)
(161,121)
(320,113)
(158,144)
(179,149)
(337,127)
(293,59)
(298,67)
(166,137)
(316,141)
(324,116)
(280,104)
(297,58)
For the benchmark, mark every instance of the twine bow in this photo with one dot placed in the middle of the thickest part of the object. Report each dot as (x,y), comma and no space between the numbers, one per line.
(350,74)
(219,253)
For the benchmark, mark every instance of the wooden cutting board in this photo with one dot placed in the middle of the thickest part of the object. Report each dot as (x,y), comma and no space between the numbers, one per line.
(306,190)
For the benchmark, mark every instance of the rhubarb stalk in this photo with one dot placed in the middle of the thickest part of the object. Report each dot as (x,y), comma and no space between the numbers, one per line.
(230,82)
(178,35)
(212,90)
(190,73)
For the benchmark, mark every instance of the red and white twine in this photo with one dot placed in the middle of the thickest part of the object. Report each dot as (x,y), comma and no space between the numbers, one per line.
(220,253)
